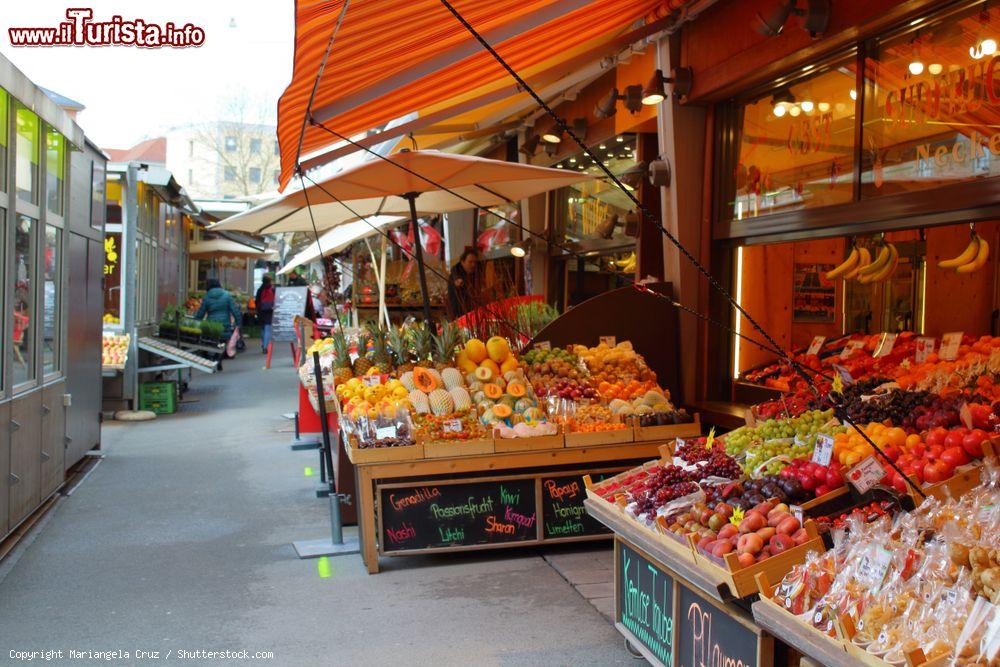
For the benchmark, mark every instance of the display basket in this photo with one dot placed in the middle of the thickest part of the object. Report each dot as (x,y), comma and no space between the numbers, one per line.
(537,443)
(358,455)
(592,487)
(846,632)
(805,631)
(672,432)
(434,449)
(599,438)
(967,477)
(741,581)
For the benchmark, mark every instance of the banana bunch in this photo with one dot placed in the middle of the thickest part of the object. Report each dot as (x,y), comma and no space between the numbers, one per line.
(883,266)
(626,265)
(858,258)
(971,259)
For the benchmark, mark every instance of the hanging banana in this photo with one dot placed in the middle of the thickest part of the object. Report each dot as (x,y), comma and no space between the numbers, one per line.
(970,253)
(847,266)
(865,258)
(982,254)
(887,269)
(881,261)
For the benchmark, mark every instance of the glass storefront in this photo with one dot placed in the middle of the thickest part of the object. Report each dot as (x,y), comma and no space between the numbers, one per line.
(26,154)
(55,170)
(51,300)
(25,271)
(4,106)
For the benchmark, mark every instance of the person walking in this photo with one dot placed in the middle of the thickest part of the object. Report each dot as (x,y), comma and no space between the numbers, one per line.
(220,306)
(265,310)
(462,284)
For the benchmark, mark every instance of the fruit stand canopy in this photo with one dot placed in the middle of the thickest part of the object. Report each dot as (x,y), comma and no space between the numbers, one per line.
(391,58)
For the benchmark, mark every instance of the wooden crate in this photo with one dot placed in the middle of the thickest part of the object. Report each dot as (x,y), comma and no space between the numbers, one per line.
(825,498)
(915,658)
(813,636)
(600,438)
(382,454)
(672,432)
(590,485)
(742,581)
(504,445)
(960,483)
(446,448)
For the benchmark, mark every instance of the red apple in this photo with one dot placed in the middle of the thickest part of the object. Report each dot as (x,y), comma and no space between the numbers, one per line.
(973,442)
(935,436)
(834,479)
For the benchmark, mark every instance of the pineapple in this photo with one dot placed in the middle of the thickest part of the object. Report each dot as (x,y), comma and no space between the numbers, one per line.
(362,363)
(380,348)
(342,359)
(422,342)
(400,344)
(445,344)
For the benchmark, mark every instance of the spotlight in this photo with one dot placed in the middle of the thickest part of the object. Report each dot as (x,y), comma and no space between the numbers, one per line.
(781,101)
(989,46)
(780,110)
(553,136)
(572,160)
(823,107)
(916,68)
(935,68)
(632,99)
(807,106)
(619,139)
(794,111)
(815,17)
(983,48)
(607,106)
(551,149)
(520,249)
(580,127)
(530,146)
(854,94)
(655,90)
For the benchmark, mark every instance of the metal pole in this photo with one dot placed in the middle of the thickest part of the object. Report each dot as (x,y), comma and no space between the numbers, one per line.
(327,461)
(412,198)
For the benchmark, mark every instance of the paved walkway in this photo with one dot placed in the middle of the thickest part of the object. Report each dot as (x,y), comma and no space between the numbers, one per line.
(181,540)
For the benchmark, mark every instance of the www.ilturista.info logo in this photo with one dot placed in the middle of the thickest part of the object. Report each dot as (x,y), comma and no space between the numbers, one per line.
(82,30)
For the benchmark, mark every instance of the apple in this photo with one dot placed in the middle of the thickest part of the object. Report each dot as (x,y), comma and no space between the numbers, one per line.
(892,452)
(973,442)
(808,482)
(764,508)
(935,436)
(822,490)
(935,471)
(724,509)
(834,479)
(955,438)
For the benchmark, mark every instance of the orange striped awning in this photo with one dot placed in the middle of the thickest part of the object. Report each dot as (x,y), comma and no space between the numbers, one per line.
(391,58)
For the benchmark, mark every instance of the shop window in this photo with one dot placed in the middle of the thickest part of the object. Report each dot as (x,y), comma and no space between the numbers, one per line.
(98,190)
(932,106)
(229,173)
(255,145)
(51,301)
(25,270)
(4,105)
(794,146)
(254,173)
(55,170)
(26,168)
(230,144)
(112,278)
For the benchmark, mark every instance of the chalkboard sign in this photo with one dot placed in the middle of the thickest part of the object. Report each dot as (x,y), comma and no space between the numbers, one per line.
(288,302)
(645,603)
(563,514)
(463,514)
(707,635)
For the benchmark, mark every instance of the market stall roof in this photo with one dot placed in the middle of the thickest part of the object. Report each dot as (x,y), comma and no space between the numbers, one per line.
(338,239)
(375,188)
(212,248)
(423,56)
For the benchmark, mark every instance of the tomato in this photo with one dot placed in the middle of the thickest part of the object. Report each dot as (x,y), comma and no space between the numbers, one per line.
(973,443)
(954,438)
(955,456)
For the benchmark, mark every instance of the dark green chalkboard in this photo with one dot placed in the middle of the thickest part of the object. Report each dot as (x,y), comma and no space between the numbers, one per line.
(645,602)
(708,635)
(563,514)
(437,516)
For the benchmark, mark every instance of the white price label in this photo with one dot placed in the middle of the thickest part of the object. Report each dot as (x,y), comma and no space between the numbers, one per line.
(823,451)
(924,349)
(452,426)
(608,340)
(383,432)
(543,345)
(885,345)
(866,475)
(816,345)
(372,380)
(950,342)
(850,347)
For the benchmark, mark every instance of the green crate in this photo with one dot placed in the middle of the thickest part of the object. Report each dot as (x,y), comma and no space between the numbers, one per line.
(166,406)
(157,390)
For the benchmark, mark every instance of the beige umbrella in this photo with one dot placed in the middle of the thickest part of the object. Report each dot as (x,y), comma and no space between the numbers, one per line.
(338,239)
(216,248)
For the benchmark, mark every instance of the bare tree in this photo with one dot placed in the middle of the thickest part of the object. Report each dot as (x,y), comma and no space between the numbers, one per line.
(242,144)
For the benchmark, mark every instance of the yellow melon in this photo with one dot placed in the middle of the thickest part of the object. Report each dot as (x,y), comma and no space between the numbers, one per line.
(476,350)
(492,365)
(498,349)
(465,362)
(509,364)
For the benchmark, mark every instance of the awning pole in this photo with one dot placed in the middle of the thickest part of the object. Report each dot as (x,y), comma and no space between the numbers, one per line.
(412,198)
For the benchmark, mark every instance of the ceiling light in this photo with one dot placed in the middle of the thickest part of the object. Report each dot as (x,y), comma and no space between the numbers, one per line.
(520,249)
(530,146)
(553,136)
(632,99)
(794,111)
(559,166)
(989,46)
(619,139)
(572,160)
(607,106)
(780,109)
(602,147)
(854,94)
(807,106)
(935,68)
(916,67)
(823,107)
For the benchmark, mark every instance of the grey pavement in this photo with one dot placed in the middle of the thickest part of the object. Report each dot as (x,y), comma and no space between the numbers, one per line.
(181,540)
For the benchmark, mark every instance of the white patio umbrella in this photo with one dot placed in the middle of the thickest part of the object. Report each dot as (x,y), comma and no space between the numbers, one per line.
(215,248)
(338,239)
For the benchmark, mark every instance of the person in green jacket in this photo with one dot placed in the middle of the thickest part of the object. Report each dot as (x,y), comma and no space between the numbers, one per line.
(220,306)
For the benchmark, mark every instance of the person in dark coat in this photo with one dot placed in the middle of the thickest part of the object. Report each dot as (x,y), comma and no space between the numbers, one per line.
(462,284)
(265,310)
(220,306)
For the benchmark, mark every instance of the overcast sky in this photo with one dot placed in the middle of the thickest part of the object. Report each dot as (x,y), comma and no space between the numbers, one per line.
(134,93)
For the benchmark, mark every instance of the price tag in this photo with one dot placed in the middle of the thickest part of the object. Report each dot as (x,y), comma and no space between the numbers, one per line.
(924,348)
(608,340)
(543,345)
(372,380)
(965,414)
(823,451)
(950,595)
(873,567)
(797,512)
(885,345)
(816,345)
(850,347)
(866,474)
(451,426)
(950,342)
(843,374)
(383,432)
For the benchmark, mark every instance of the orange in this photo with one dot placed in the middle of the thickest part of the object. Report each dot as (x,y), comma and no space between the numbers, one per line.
(913,440)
